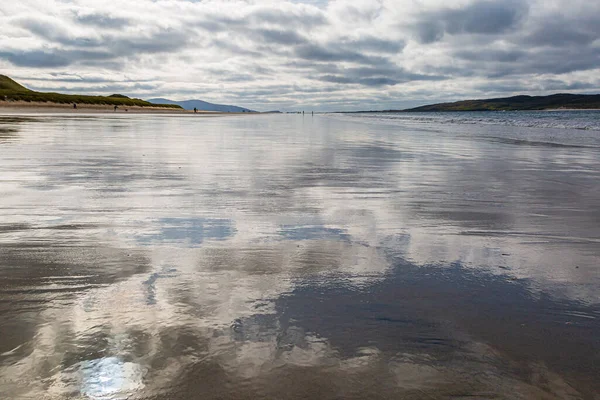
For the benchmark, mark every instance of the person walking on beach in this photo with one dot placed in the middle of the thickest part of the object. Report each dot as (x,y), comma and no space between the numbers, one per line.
(116,108)
(74,106)
(195,110)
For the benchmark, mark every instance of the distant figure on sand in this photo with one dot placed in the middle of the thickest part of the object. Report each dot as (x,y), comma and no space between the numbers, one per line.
(116,108)
(195,110)
(74,106)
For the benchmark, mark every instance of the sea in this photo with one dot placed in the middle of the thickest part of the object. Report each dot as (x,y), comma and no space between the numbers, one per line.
(326,256)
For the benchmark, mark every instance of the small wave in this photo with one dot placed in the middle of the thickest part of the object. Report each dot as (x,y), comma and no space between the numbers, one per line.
(538,143)
(586,120)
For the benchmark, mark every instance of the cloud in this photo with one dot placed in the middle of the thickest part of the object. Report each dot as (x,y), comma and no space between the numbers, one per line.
(318,53)
(483,17)
(493,55)
(487,17)
(561,32)
(102,20)
(279,36)
(327,54)
(305,17)
(374,44)
(53,58)
(376,76)
(62,48)
(48,29)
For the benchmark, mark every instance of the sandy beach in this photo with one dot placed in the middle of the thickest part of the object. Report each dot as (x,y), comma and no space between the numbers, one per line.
(23,107)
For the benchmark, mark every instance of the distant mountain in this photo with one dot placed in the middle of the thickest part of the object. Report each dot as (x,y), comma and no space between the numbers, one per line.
(518,103)
(201,105)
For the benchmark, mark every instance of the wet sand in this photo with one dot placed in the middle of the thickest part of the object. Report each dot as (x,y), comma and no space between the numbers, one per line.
(294,257)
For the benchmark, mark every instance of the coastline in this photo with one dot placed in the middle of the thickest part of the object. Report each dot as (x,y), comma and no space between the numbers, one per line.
(457,111)
(570,109)
(23,107)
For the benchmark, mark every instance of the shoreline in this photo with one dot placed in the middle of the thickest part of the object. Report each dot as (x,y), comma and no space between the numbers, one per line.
(570,109)
(23,107)
(458,111)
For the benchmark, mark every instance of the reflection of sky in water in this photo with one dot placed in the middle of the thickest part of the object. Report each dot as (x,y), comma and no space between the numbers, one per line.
(151,283)
(365,249)
(421,318)
(189,231)
(290,232)
(108,377)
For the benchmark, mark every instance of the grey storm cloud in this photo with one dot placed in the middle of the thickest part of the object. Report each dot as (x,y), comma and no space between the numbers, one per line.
(53,58)
(500,56)
(485,17)
(69,49)
(560,32)
(162,41)
(279,36)
(499,63)
(274,90)
(333,52)
(367,81)
(318,53)
(376,76)
(556,61)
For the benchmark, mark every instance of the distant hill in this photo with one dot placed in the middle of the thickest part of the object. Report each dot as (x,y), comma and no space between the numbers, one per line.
(519,103)
(202,105)
(13,91)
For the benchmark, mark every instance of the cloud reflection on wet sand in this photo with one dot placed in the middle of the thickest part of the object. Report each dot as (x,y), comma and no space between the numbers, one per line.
(248,258)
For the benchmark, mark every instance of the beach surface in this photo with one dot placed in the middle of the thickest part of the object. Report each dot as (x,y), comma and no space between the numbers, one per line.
(23,107)
(299,257)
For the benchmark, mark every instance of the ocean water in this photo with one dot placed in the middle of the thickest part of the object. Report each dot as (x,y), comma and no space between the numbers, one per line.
(342,256)
(573,119)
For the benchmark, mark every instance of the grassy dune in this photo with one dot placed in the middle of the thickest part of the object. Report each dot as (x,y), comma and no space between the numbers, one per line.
(13,91)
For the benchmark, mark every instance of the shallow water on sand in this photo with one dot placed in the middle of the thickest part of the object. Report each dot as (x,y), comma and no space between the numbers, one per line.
(278,256)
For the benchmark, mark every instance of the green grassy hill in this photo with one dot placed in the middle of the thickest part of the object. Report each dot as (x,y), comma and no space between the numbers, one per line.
(13,91)
(520,103)
(9,85)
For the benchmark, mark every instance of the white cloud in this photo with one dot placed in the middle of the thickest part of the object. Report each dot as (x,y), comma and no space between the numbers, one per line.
(302,54)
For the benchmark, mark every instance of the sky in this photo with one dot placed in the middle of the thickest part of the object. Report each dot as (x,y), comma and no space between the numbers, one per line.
(304,55)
